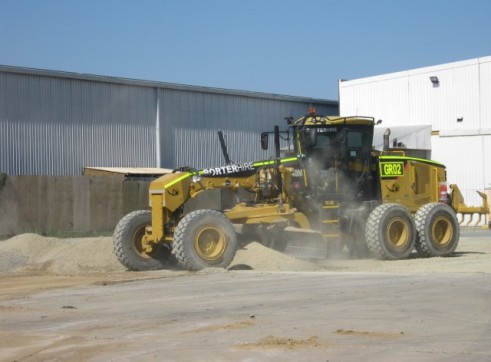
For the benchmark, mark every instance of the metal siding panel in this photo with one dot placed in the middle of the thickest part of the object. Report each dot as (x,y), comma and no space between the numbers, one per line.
(485,95)
(421,96)
(455,97)
(453,152)
(409,98)
(163,85)
(486,140)
(60,125)
(385,99)
(190,121)
(464,99)
(56,123)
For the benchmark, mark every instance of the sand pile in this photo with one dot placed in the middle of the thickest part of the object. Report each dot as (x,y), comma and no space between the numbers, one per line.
(258,257)
(31,252)
(75,256)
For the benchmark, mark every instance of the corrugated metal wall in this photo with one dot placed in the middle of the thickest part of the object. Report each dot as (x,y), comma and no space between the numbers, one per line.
(485,93)
(55,123)
(56,126)
(190,121)
(458,107)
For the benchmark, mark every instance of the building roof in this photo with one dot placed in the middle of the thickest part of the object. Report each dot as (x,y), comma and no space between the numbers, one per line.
(155,84)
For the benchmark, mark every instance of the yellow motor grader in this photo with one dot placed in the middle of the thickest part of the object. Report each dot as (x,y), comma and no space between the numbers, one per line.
(331,187)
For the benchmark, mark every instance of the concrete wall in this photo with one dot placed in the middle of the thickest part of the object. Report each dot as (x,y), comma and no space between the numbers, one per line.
(66,204)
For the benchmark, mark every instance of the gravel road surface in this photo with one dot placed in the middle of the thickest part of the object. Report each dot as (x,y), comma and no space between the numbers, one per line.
(69,300)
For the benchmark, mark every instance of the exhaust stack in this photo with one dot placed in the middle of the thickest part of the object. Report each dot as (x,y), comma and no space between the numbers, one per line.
(386,139)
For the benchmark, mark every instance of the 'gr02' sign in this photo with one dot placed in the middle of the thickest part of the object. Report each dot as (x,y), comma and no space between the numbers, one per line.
(391,169)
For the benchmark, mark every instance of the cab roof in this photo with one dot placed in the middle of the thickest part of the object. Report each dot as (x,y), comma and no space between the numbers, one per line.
(319,120)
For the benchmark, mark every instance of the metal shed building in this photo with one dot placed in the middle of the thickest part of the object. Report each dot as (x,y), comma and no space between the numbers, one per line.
(454,98)
(56,123)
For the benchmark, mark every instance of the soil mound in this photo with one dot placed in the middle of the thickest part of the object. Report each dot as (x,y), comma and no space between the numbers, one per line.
(35,253)
(256,256)
(76,256)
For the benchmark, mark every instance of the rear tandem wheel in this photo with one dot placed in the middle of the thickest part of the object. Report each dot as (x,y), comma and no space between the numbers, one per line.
(390,232)
(438,230)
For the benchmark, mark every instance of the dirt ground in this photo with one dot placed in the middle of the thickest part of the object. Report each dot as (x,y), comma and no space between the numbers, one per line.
(33,267)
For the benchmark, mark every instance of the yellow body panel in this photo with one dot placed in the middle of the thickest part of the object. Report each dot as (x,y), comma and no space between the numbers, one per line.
(409,181)
(169,192)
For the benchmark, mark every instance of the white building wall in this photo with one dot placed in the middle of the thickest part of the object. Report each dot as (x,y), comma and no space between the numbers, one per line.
(409,97)
(456,96)
(458,108)
(465,158)
(485,95)
(487,164)
(385,99)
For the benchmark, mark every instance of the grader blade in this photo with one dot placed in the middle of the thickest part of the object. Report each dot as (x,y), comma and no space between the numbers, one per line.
(304,244)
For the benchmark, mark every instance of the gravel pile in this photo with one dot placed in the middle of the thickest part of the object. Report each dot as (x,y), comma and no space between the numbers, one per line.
(31,253)
(35,253)
(75,256)
(258,257)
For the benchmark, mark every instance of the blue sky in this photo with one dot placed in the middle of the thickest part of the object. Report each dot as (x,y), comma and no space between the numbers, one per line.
(287,47)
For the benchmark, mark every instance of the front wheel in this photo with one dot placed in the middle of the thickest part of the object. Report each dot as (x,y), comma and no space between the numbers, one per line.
(128,243)
(438,230)
(390,232)
(203,239)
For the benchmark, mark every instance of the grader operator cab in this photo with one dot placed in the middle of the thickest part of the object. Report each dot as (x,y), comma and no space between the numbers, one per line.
(331,187)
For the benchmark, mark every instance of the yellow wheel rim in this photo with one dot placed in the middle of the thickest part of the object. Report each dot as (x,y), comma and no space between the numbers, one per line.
(398,232)
(138,243)
(442,231)
(210,243)
(141,245)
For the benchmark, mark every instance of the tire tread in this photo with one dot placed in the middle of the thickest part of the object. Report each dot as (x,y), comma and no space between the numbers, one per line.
(121,244)
(179,244)
(424,245)
(374,233)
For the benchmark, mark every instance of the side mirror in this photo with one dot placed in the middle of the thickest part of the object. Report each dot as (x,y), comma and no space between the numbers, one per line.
(264,140)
